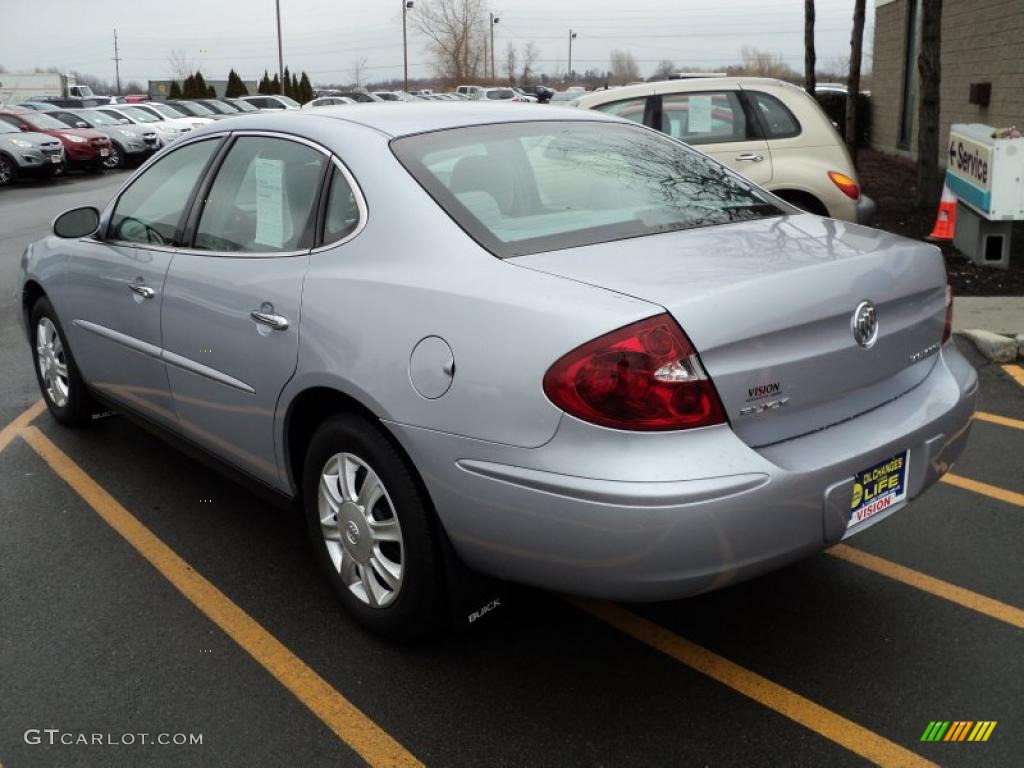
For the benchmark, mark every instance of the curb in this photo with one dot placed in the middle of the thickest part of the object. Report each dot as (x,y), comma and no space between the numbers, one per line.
(996,347)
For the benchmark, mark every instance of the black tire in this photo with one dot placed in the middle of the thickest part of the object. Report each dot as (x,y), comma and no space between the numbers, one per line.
(79,407)
(420,605)
(8,171)
(116,158)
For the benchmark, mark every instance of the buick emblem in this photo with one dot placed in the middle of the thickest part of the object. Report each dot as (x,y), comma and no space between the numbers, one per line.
(352,533)
(864,324)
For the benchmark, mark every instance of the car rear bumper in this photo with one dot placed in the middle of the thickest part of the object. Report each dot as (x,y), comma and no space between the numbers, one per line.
(632,516)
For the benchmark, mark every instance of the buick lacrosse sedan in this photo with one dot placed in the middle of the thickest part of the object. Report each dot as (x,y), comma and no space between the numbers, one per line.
(605,365)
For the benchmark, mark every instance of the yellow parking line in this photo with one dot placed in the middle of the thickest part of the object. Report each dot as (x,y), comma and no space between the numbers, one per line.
(1016,372)
(364,736)
(1003,421)
(26,417)
(963,597)
(817,718)
(992,491)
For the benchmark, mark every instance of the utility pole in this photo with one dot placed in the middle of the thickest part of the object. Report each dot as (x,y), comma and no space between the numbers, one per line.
(494,20)
(117,64)
(568,74)
(406,7)
(280,53)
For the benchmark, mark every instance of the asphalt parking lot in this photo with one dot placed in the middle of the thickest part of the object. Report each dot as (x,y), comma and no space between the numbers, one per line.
(141,593)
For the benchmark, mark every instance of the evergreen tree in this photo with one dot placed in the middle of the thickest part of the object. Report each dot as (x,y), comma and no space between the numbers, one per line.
(199,86)
(211,92)
(305,89)
(275,85)
(264,85)
(295,89)
(235,86)
(188,87)
(287,90)
(175,92)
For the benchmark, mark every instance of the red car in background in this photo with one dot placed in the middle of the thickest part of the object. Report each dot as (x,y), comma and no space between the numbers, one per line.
(84,148)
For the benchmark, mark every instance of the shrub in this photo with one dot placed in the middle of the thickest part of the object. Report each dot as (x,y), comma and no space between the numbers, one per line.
(834,105)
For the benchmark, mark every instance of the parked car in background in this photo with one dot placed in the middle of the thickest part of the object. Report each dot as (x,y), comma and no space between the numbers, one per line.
(190,109)
(361,97)
(28,153)
(542,93)
(266,101)
(39,106)
(84,148)
(130,144)
(164,112)
(328,101)
(770,131)
(529,98)
(469,90)
(499,94)
(239,104)
(75,103)
(169,129)
(219,107)
(565,97)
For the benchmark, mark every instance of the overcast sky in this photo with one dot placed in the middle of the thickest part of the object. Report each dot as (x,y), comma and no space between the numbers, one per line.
(325,37)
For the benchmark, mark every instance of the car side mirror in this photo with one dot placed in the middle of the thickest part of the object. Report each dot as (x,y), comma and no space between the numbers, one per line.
(78,222)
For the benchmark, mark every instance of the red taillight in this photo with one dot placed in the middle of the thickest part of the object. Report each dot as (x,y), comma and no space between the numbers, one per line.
(846,185)
(645,376)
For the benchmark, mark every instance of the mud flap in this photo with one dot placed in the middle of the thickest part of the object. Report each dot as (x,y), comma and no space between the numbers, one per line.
(473,597)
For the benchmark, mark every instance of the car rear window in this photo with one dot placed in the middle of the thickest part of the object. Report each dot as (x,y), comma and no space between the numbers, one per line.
(521,188)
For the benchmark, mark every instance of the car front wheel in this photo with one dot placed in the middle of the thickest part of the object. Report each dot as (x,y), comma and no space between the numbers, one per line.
(115,159)
(61,385)
(6,171)
(372,529)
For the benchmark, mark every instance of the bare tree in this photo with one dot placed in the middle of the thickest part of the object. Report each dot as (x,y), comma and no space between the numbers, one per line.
(455,30)
(530,55)
(810,59)
(511,63)
(665,68)
(760,63)
(623,67)
(358,68)
(853,81)
(929,69)
(181,65)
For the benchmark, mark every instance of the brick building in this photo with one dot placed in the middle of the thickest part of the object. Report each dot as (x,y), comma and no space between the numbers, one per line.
(982,42)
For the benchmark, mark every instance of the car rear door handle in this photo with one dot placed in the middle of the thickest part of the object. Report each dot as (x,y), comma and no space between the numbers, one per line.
(272,321)
(750,157)
(142,290)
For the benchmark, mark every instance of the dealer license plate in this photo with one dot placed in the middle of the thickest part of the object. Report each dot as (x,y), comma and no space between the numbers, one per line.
(104,152)
(878,488)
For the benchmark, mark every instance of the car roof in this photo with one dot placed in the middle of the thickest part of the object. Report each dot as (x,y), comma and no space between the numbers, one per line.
(680,86)
(407,118)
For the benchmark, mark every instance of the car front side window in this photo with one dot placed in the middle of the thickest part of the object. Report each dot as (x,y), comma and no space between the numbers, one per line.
(704,118)
(630,109)
(150,209)
(263,199)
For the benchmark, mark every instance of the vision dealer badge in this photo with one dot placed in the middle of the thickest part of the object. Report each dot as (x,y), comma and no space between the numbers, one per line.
(878,489)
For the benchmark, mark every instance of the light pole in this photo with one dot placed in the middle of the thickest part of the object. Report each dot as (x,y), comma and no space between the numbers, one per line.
(406,7)
(280,54)
(494,20)
(568,74)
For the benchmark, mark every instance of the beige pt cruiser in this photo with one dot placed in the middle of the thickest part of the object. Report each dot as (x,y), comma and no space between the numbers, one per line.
(770,131)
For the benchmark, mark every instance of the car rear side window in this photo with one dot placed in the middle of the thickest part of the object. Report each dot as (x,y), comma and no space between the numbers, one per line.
(630,109)
(778,121)
(528,187)
(343,214)
(150,209)
(263,198)
(704,118)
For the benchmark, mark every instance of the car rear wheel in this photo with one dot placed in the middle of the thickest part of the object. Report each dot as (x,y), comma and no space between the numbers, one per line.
(373,529)
(7,171)
(61,384)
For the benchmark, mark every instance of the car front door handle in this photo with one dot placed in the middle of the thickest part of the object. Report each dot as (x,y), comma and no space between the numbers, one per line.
(270,320)
(142,290)
(750,157)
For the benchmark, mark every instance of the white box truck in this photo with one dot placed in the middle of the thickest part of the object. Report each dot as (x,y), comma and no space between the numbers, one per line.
(16,87)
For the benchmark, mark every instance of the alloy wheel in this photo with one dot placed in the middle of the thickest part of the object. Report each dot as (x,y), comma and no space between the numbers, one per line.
(361,530)
(6,171)
(113,159)
(52,362)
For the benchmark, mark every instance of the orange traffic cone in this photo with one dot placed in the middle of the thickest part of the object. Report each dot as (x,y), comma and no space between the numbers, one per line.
(945,220)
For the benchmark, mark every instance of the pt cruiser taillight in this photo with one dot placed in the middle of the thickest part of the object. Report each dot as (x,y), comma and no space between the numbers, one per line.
(645,376)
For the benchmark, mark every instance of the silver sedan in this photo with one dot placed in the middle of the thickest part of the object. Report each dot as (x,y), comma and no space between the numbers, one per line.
(533,344)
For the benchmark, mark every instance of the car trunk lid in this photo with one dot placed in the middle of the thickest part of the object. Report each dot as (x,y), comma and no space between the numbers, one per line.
(769,306)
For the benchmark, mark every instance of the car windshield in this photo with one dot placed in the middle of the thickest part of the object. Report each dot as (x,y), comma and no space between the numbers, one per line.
(523,188)
(43,121)
(197,109)
(97,118)
(140,115)
(289,102)
(243,106)
(220,107)
(166,111)
(6,127)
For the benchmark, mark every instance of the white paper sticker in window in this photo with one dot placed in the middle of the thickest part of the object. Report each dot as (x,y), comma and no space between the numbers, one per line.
(700,114)
(269,202)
